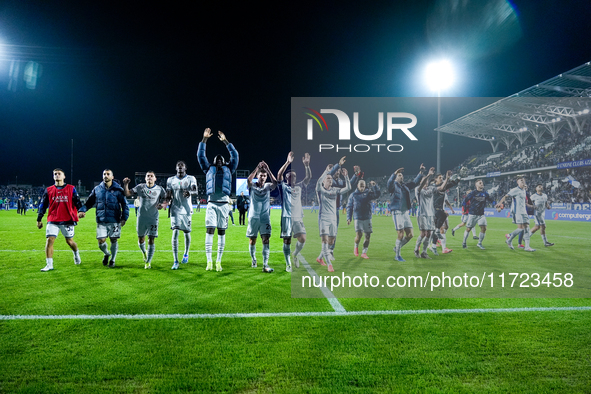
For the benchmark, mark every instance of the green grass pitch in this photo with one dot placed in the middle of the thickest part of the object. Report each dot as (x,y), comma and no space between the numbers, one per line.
(521,351)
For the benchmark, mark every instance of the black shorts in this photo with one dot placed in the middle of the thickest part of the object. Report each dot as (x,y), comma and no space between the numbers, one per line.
(440,216)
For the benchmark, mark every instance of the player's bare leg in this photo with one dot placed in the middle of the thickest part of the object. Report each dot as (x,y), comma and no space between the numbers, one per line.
(48,254)
(74,246)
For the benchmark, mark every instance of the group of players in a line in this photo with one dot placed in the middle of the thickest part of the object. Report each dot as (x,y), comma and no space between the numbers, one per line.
(64,208)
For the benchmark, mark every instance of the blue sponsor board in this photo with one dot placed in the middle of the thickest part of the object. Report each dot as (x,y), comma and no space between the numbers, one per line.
(560,205)
(491,174)
(551,214)
(581,207)
(573,164)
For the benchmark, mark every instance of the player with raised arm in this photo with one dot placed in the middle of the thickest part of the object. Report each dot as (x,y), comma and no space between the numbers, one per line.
(439,202)
(327,218)
(61,202)
(259,212)
(218,184)
(292,213)
(520,216)
(426,218)
(540,200)
(476,200)
(151,198)
(400,205)
(359,209)
(111,214)
(179,189)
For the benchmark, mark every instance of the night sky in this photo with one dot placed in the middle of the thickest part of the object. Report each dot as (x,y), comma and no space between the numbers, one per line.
(136,84)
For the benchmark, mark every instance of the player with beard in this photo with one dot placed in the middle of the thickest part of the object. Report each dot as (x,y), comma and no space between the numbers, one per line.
(218,185)
(179,189)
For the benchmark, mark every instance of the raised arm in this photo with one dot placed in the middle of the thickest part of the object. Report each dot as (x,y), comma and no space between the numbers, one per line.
(306,161)
(445,182)
(252,175)
(273,179)
(289,160)
(321,179)
(347,187)
(426,179)
(126,190)
(201,157)
(233,152)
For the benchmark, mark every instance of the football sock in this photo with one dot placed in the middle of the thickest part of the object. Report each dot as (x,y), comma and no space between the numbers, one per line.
(188,242)
(425,243)
(175,245)
(142,246)
(299,247)
(114,249)
(326,254)
(444,241)
(104,248)
(456,228)
(221,245)
(151,250)
(521,238)
(515,233)
(466,233)
(544,238)
(76,255)
(418,243)
(474,231)
(481,237)
(209,246)
(266,252)
(404,241)
(356,245)
(287,253)
(253,252)
(526,238)
(49,261)
(398,246)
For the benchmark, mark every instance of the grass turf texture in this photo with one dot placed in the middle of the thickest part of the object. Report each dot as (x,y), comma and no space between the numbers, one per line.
(498,352)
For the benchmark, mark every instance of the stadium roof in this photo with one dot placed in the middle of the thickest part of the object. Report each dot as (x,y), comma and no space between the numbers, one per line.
(546,108)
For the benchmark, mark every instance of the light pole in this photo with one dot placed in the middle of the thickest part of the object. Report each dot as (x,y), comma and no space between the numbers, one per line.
(439,75)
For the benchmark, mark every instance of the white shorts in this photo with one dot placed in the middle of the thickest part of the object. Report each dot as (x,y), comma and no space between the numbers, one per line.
(110,230)
(520,219)
(539,219)
(473,220)
(286,227)
(145,227)
(298,228)
(328,228)
(181,222)
(426,223)
(216,216)
(363,226)
(401,220)
(53,230)
(255,227)
(464,218)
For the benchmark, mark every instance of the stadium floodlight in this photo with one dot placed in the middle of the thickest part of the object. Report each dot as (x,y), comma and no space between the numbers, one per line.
(439,76)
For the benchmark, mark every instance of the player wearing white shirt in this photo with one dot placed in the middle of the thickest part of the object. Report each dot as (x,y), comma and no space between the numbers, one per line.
(327,219)
(426,219)
(521,218)
(259,212)
(179,189)
(151,198)
(292,214)
(540,200)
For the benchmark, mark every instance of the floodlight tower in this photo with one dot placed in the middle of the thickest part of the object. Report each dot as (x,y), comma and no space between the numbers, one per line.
(439,76)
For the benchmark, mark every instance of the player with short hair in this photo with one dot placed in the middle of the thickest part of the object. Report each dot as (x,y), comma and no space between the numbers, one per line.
(151,199)
(111,214)
(520,216)
(218,185)
(426,219)
(327,219)
(464,219)
(179,189)
(540,200)
(359,209)
(400,205)
(259,212)
(439,202)
(61,202)
(476,201)
(292,213)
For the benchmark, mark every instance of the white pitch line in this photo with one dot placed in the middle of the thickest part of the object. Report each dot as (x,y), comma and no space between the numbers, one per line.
(127,251)
(334,302)
(291,314)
